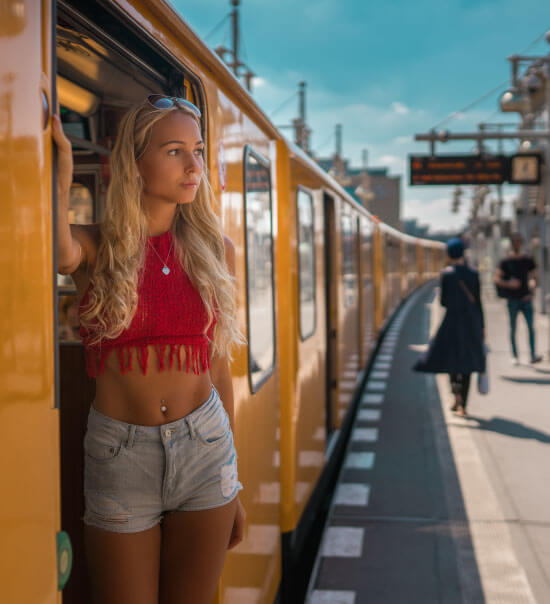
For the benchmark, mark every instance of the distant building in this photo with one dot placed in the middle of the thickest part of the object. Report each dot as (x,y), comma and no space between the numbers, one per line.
(411,227)
(373,188)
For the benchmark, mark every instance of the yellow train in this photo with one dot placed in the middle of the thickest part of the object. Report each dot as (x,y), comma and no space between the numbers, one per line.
(318,279)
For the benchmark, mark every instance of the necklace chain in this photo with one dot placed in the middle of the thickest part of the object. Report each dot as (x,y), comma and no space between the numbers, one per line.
(165,269)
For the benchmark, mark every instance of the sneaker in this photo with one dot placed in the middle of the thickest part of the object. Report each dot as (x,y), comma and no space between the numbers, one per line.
(536,359)
(515,361)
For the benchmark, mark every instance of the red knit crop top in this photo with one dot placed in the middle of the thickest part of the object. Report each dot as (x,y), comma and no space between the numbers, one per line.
(170,314)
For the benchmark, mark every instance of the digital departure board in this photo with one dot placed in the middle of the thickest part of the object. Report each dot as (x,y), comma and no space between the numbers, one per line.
(458,169)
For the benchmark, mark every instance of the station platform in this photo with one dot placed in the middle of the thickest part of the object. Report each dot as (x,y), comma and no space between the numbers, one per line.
(430,507)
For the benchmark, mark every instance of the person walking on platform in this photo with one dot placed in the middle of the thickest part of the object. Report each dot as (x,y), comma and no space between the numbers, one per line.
(458,346)
(515,279)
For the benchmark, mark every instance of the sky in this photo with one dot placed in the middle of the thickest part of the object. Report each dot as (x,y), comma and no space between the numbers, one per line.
(386,71)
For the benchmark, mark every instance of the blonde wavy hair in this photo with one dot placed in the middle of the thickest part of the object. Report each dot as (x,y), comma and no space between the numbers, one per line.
(124,231)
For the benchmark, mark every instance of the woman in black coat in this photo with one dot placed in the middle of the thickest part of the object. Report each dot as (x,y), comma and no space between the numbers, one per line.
(458,346)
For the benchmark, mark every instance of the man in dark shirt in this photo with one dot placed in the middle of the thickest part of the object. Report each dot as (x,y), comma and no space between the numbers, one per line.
(517,275)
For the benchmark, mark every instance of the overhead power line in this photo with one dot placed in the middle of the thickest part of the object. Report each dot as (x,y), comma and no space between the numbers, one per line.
(453,115)
(215,29)
(284,104)
(327,141)
(483,97)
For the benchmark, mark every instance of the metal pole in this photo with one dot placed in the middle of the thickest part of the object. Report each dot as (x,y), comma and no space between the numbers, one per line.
(235,23)
(302,102)
(546,218)
(339,140)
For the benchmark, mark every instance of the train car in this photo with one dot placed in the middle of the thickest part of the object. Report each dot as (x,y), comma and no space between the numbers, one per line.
(318,278)
(392,239)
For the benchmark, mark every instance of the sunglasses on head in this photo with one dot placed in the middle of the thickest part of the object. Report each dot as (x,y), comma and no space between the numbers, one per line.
(161,101)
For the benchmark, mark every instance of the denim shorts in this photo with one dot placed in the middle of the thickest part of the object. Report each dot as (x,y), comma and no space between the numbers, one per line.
(133,474)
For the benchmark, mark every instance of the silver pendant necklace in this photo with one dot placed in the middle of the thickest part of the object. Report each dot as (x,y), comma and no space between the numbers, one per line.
(165,269)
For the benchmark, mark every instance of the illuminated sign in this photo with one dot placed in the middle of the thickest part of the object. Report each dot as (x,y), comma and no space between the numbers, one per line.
(474,169)
(525,169)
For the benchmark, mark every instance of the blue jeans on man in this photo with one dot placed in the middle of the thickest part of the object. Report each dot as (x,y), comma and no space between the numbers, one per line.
(515,306)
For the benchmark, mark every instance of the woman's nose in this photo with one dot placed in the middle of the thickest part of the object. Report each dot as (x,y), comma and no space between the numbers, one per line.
(192,163)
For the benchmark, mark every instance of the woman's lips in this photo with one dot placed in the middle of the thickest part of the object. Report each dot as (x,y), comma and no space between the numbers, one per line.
(189,184)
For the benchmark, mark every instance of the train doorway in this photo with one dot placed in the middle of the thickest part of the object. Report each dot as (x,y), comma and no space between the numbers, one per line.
(331,313)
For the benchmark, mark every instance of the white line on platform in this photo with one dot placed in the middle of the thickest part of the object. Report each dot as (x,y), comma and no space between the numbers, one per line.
(369,415)
(330,596)
(352,493)
(380,375)
(382,365)
(369,435)
(379,386)
(384,357)
(343,542)
(372,399)
(360,461)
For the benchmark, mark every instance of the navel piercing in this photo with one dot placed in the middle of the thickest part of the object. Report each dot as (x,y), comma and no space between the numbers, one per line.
(163,407)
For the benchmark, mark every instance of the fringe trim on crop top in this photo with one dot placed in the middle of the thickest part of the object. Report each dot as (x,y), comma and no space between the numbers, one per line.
(191,315)
(197,353)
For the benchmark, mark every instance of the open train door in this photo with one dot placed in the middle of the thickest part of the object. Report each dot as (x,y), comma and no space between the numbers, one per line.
(35,555)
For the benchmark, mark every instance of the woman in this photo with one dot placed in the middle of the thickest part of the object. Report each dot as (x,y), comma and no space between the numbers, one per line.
(458,346)
(156,283)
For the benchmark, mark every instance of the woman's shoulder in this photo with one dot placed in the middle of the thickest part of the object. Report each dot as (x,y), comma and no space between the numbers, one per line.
(448,272)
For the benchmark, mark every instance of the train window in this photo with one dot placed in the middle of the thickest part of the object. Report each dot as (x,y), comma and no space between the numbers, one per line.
(259,268)
(81,211)
(349,268)
(306,263)
(366,230)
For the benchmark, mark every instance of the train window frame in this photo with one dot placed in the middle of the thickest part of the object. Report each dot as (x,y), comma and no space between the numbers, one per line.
(256,385)
(304,337)
(346,213)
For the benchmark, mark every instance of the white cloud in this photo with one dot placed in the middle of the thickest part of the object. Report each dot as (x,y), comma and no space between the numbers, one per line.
(258,82)
(400,108)
(393,161)
(435,212)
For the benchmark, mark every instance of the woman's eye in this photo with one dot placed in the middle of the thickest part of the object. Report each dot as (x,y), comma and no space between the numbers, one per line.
(200,151)
(176,150)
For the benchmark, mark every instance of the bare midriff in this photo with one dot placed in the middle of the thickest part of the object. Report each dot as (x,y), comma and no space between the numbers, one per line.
(138,399)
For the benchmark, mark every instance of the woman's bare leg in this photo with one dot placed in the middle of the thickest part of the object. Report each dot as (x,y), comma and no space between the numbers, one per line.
(194,545)
(123,568)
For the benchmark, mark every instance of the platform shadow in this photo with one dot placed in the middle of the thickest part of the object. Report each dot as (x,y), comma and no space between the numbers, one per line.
(506,427)
(526,380)
(545,371)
